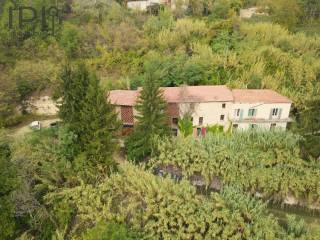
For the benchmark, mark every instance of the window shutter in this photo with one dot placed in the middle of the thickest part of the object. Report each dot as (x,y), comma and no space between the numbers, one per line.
(255,112)
(270,116)
(280,112)
(241,114)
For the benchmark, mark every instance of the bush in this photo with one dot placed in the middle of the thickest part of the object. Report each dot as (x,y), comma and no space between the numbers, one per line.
(108,231)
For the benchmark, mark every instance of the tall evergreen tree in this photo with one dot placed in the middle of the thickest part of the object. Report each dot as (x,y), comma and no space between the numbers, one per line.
(100,125)
(152,119)
(74,87)
(87,113)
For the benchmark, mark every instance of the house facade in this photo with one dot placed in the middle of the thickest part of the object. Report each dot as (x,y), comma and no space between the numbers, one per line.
(212,105)
(261,108)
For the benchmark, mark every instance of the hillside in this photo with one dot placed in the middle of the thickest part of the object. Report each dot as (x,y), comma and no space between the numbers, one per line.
(77,181)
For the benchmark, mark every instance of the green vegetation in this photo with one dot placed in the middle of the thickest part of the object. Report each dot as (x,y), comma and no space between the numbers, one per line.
(7,186)
(110,231)
(162,209)
(185,126)
(65,182)
(152,119)
(90,117)
(264,162)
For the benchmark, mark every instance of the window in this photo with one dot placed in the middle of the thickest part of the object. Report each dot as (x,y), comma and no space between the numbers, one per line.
(221,117)
(273,126)
(198,132)
(275,111)
(175,132)
(237,112)
(235,126)
(200,121)
(191,119)
(175,120)
(252,112)
(223,105)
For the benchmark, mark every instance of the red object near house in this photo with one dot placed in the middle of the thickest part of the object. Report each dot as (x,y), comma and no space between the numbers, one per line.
(203,131)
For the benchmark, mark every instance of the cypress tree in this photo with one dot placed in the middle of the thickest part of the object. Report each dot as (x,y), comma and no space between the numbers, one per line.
(87,113)
(152,120)
(100,125)
(74,87)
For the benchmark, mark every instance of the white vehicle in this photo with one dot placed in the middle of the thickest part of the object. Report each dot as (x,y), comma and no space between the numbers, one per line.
(35,125)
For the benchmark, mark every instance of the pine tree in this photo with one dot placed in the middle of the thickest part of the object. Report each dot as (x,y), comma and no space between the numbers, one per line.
(152,120)
(73,89)
(100,125)
(90,116)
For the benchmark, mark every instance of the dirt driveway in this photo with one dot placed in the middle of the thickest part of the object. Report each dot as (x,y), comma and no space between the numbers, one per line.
(20,131)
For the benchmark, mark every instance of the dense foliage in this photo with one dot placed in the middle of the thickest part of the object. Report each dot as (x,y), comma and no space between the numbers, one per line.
(203,43)
(89,115)
(64,186)
(162,209)
(264,162)
(151,119)
(7,186)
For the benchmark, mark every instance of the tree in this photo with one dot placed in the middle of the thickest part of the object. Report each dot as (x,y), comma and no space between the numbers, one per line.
(74,85)
(308,124)
(70,40)
(185,125)
(88,114)
(311,8)
(99,125)
(226,8)
(7,185)
(8,100)
(152,119)
(284,12)
(108,231)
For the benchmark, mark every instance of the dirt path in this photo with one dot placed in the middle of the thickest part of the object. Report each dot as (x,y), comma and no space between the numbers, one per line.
(20,131)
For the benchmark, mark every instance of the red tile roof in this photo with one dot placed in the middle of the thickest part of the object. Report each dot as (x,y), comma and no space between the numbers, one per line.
(197,94)
(176,95)
(258,96)
(202,94)
(123,97)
